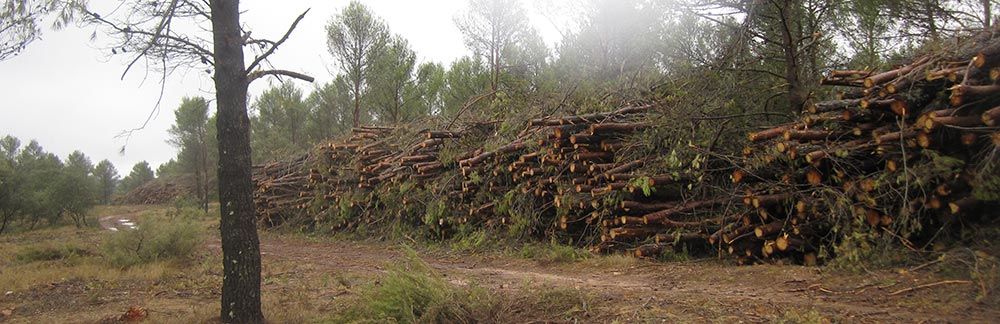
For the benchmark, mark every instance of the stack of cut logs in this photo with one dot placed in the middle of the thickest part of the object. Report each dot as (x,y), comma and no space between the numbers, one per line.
(902,149)
(283,188)
(159,191)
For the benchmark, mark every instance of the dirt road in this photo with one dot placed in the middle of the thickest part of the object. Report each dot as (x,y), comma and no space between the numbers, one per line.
(311,276)
(116,223)
(678,291)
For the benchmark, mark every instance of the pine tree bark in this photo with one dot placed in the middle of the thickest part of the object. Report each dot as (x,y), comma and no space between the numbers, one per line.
(356,120)
(796,90)
(240,244)
(987,14)
(204,173)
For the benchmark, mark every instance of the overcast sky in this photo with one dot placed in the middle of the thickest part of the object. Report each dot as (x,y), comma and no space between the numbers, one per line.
(65,92)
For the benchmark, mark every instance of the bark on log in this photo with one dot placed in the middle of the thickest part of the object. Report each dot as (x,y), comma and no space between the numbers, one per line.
(833,105)
(661,216)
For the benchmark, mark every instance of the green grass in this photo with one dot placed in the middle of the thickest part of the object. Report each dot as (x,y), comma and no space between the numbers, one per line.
(553,253)
(412,292)
(52,255)
(50,251)
(476,241)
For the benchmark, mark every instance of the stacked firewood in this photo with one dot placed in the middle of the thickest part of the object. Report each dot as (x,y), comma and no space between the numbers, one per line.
(903,151)
(568,164)
(282,188)
(159,191)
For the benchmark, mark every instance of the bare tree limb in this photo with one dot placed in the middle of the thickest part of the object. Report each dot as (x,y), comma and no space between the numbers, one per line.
(275,45)
(258,74)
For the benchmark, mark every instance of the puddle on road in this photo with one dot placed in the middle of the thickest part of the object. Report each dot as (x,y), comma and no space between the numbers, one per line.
(123,223)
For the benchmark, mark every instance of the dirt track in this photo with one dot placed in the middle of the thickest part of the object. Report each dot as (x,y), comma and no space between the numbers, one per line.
(116,223)
(686,291)
(313,275)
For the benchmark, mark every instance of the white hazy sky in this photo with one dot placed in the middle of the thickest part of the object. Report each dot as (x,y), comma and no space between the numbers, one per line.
(65,92)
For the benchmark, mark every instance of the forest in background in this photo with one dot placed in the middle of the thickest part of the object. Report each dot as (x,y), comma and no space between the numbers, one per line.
(700,55)
(628,137)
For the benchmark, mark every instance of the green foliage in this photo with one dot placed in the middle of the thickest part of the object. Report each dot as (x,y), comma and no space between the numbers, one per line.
(672,255)
(35,185)
(466,78)
(155,239)
(49,252)
(107,179)
(412,292)
(524,218)
(435,211)
(329,110)
(644,184)
(20,21)
(191,135)
(987,186)
(553,253)
(859,251)
(392,84)
(345,210)
(277,125)
(186,208)
(356,38)
(428,89)
(475,241)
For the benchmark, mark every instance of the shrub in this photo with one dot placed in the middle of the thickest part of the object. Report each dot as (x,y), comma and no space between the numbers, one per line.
(49,252)
(153,240)
(412,292)
(476,241)
(553,253)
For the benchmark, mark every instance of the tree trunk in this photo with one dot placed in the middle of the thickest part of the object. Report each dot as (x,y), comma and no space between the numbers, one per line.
(357,104)
(240,244)
(930,19)
(204,173)
(987,14)
(199,188)
(796,92)
(496,69)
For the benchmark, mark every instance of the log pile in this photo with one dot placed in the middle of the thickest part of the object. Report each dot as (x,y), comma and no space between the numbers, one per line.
(906,154)
(907,151)
(159,191)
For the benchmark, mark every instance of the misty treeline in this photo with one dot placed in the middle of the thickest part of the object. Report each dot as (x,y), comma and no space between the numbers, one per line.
(39,188)
(768,54)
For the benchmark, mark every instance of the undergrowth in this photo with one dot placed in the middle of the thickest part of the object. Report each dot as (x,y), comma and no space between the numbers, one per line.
(412,292)
(155,239)
(552,253)
(50,251)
